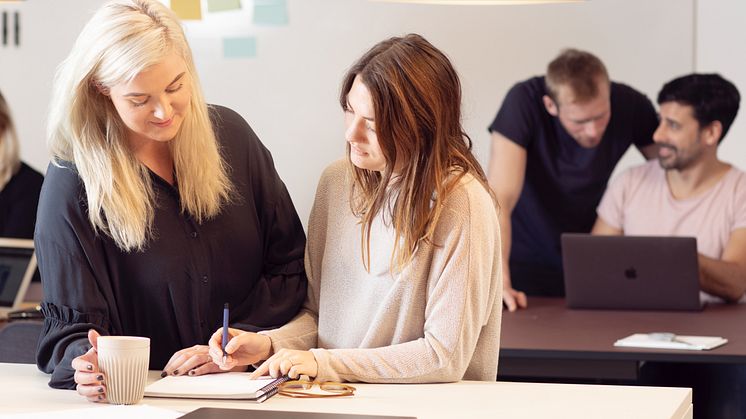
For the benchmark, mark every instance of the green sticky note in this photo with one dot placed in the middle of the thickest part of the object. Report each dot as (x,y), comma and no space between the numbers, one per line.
(270,12)
(244,47)
(223,5)
(187,9)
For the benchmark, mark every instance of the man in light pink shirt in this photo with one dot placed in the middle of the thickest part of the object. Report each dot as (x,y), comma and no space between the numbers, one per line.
(688,191)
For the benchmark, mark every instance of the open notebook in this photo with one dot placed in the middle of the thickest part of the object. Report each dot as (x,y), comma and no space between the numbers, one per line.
(230,385)
(690,343)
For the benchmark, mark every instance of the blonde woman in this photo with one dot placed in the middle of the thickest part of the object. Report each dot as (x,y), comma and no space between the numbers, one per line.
(158,209)
(404,274)
(19,183)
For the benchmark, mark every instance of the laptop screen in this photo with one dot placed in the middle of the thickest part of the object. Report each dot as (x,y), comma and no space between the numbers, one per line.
(17,264)
(631,272)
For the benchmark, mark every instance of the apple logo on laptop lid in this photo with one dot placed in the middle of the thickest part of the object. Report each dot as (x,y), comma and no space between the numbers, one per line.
(630,273)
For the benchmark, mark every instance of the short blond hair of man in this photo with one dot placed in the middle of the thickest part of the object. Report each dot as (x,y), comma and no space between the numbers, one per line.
(580,71)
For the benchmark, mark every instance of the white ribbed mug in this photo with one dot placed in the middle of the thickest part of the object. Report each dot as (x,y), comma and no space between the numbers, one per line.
(124,362)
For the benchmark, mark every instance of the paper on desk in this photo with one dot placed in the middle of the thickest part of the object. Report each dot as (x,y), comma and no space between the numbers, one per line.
(103,411)
(229,385)
(690,343)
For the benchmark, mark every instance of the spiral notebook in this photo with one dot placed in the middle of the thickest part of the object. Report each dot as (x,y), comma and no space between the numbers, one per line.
(230,385)
(689,343)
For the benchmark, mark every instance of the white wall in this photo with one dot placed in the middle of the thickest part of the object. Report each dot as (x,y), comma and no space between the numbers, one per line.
(289,92)
(720,48)
(48,30)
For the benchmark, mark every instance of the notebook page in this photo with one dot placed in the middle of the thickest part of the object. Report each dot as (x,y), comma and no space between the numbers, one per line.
(692,343)
(230,385)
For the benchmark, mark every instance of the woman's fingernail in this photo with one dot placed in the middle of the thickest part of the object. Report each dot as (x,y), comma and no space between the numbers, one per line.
(89,367)
(100,397)
(176,372)
(100,389)
(100,377)
(191,372)
(163,374)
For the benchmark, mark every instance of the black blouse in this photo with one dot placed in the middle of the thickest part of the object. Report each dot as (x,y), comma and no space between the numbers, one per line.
(250,255)
(18,200)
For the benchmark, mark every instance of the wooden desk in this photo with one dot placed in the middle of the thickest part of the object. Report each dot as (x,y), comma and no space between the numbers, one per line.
(550,341)
(24,389)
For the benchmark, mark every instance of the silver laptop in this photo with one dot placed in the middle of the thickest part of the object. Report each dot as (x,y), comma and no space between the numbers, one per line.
(222,413)
(17,266)
(631,272)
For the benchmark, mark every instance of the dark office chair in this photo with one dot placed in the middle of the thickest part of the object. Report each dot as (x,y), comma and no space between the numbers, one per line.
(18,341)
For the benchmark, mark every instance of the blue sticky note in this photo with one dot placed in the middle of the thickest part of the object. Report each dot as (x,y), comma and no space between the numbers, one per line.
(270,12)
(223,5)
(244,47)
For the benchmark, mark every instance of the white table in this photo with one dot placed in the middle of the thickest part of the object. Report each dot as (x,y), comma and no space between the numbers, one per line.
(24,389)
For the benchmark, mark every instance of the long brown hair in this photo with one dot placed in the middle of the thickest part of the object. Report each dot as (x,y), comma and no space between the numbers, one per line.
(9,157)
(416,97)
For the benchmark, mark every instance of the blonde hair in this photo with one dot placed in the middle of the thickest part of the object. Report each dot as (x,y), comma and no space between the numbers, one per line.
(122,39)
(416,97)
(10,160)
(579,70)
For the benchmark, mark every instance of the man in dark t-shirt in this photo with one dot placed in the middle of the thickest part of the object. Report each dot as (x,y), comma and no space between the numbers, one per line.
(555,143)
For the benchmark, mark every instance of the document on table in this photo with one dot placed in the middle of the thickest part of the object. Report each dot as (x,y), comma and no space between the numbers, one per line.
(230,385)
(691,343)
(103,411)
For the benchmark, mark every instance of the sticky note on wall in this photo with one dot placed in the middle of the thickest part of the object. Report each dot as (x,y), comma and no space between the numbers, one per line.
(270,12)
(242,47)
(187,9)
(223,5)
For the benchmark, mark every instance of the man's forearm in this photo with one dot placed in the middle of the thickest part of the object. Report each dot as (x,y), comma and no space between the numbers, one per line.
(505,242)
(721,278)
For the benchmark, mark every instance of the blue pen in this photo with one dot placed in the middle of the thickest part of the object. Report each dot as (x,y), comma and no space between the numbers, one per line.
(226,317)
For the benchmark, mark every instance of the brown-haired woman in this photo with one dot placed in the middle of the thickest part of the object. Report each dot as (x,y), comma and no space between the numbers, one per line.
(403,252)
(19,183)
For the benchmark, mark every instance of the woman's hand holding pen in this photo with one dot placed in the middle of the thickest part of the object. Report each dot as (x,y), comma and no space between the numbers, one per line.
(244,348)
(89,379)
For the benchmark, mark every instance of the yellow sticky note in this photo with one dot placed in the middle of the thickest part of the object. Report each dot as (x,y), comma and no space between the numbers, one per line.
(187,9)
